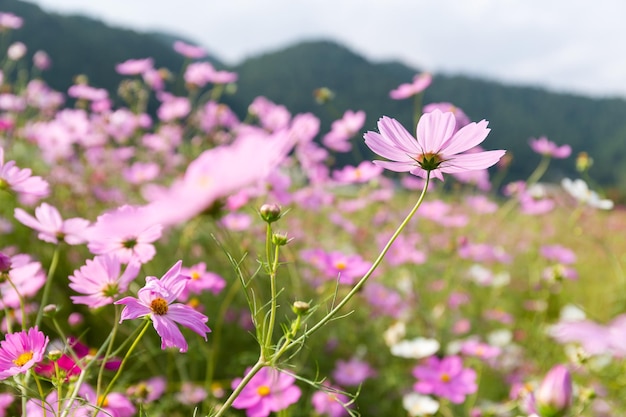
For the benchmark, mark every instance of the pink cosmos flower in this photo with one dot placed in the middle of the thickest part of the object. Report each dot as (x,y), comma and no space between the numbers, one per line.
(87,92)
(445,378)
(348,268)
(594,338)
(201,280)
(191,393)
(462,119)
(25,278)
(189,51)
(21,351)
(148,391)
(329,401)
(101,280)
(156,299)
(270,390)
(547,148)
(359,174)
(41,60)
(134,66)
(141,172)
(173,107)
(125,232)
(51,227)
(10,21)
(419,84)
(437,148)
(20,181)
(342,130)
(558,253)
(202,73)
(352,372)
(480,350)
(6,400)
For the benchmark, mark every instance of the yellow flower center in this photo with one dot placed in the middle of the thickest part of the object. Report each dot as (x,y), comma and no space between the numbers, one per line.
(159,306)
(195,275)
(341,265)
(445,377)
(263,390)
(102,401)
(428,161)
(23,358)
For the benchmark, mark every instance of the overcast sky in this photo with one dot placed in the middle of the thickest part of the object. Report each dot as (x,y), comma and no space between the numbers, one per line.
(574,46)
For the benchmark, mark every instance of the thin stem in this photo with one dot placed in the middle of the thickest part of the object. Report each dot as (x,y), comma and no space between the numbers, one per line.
(288,344)
(229,402)
(107,355)
(119,370)
(539,171)
(48,286)
(270,331)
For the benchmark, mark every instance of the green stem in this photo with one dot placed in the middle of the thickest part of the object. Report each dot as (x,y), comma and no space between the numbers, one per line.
(48,286)
(107,355)
(119,370)
(539,171)
(288,344)
(270,330)
(229,402)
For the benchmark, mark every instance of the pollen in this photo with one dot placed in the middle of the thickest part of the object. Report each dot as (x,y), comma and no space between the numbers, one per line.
(23,358)
(159,306)
(263,390)
(103,401)
(341,265)
(195,275)
(445,377)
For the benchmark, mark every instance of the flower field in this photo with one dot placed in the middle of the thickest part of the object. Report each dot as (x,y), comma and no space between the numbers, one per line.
(161,255)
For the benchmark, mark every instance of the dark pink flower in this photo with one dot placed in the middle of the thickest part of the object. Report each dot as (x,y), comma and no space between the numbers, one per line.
(445,378)
(156,299)
(270,390)
(436,148)
(419,84)
(21,351)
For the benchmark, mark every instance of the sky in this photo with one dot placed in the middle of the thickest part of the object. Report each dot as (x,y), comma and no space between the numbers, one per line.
(573,46)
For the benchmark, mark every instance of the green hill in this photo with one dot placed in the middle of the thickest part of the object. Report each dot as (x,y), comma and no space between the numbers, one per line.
(81,45)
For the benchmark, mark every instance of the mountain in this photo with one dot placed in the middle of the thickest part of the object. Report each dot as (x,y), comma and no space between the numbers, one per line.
(81,45)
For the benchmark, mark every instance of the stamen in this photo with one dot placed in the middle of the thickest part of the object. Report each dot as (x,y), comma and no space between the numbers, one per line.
(159,306)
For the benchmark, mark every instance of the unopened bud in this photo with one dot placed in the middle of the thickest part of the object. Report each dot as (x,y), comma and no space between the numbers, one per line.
(300,307)
(554,396)
(280,239)
(5,263)
(50,310)
(270,212)
(55,354)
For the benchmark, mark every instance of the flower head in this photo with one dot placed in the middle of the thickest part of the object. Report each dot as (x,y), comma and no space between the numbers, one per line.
(51,227)
(156,299)
(554,395)
(548,148)
(419,84)
(580,191)
(100,280)
(435,148)
(419,405)
(270,390)
(329,401)
(445,378)
(21,351)
(20,180)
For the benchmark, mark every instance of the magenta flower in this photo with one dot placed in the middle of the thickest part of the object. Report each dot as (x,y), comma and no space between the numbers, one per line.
(445,378)
(134,66)
(20,180)
(270,390)
(346,268)
(437,147)
(21,351)
(419,84)
(51,227)
(125,232)
(101,280)
(156,299)
(547,148)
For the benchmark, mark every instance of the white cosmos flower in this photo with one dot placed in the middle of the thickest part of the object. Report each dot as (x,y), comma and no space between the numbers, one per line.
(415,348)
(419,405)
(581,192)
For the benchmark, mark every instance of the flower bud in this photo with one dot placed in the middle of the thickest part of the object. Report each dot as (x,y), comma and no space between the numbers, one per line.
(270,212)
(5,263)
(300,307)
(280,239)
(554,396)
